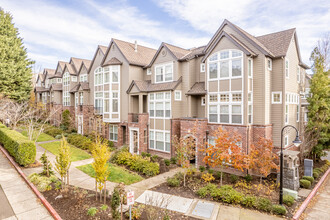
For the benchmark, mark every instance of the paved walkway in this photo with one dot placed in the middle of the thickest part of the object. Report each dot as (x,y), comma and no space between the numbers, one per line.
(319,208)
(17,200)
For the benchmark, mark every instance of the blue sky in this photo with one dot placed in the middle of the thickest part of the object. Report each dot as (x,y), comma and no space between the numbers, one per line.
(57,30)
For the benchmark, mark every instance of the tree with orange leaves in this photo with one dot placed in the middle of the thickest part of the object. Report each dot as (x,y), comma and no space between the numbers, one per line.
(226,151)
(262,157)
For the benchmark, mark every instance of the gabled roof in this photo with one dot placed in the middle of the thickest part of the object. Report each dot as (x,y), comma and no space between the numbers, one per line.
(69,68)
(60,64)
(86,63)
(83,85)
(141,57)
(76,63)
(197,89)
(39,89)
(234,40)
(103,50)
(113,61)
(40,77)
(278,42)
(147,86)
(55,87)
(194,52)
(48,73)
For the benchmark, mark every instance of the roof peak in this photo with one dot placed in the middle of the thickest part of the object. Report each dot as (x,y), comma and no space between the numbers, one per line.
(277,32)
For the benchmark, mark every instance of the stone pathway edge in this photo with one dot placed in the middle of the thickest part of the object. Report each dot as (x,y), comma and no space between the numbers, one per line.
(50,209)
(310,196)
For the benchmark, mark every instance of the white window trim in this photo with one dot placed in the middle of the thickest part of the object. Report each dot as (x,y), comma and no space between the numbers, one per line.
(287,73)
(179,92)
(286,140)
(286,114)
(164,133)
(298,112)
(229,59)
(230,104)
(203,102)
(273,101)
(271,64)
(202,68)
(164,101)
(111,125)
(163,66)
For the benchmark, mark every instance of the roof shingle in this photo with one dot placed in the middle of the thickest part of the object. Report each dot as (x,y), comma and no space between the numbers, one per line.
(197,89)
(147,86)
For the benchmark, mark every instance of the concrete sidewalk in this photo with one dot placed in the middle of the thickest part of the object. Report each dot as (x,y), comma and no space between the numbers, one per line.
(17,200)
(199,208)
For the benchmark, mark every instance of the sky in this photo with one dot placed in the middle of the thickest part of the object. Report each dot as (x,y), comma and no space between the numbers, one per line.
(57,30)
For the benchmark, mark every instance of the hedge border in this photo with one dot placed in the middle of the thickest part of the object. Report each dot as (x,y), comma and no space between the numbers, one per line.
(50,209)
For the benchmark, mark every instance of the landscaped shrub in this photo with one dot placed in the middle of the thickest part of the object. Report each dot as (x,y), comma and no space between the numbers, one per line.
(233,178)
(209,189)
(154,158)
(249,201)
(79,141)
(18,146)
(167,162)
(248,178)
(191,171)
(173,182)
(207,177)
(309,178)
(143,154)
(316,174)
(43,183)
(202,169)
(137,163)
(92,211)
(305,183)
(115,202)
(279,210)
(217,175)
(210,171)
(66,120)
(173,160)
(264,204)
(288,200)
(54,132)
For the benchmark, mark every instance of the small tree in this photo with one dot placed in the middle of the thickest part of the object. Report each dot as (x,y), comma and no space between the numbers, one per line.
(47,165)
(262,157)
(185,150)
(66,120)
(63,161)
(226,151)
(101,155)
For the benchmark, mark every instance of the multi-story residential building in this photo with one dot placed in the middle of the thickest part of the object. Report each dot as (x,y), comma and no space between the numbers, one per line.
(144,97)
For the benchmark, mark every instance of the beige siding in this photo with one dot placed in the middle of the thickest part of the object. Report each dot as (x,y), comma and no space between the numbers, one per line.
(97,62)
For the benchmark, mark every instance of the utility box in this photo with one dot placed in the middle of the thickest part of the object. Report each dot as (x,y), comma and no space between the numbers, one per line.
(308,167)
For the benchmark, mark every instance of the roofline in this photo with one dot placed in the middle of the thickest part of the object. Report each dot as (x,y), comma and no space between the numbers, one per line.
(226,22)
(163,44)
(92,61)
(107,52)
(224,34)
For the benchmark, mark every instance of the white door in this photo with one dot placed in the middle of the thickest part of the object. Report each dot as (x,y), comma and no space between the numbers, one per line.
(80,124)
(134,141)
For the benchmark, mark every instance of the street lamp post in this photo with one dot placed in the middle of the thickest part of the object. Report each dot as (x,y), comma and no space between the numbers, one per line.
(296,141)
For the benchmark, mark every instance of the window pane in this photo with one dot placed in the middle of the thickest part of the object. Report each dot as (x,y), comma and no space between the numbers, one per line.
(224,97)
(106,77)
(213,57)
(159,96)
(213,109)
(236,119)
(236,109)
(152,96)
(213,70)
(224,118)
(213,98)
(106,105)
(167,95)
(167,147)
(115,105)
(152,144)
(152,135)
(168,73)
(167,137)
(236,68)
(224,55)
(237,97)
(159,109)
(224,69)
(250,67)
(236,54)
(224,109)
(213,118)
(159,78)
(114,76)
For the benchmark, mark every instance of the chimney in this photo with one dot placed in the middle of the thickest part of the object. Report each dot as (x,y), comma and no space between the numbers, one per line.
(135,46)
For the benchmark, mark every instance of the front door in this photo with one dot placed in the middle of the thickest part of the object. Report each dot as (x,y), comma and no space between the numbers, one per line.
(80,124)
(134,141)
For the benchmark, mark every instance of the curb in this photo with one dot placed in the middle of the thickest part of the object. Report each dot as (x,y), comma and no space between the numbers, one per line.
(310,196)
(50,209)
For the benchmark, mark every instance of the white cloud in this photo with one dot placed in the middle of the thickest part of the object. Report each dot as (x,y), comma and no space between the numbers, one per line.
(311,18)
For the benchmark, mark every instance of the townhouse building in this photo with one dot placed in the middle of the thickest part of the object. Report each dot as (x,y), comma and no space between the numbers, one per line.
(143,97)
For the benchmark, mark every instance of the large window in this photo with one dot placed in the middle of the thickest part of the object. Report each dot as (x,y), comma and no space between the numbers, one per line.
(160,140)
(226,108)
(83,78)
(160,105)
(98,105)
(226,64)
(164,73)
(98,76)
(113,132)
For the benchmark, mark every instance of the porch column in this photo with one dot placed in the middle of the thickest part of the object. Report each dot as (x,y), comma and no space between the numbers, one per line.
(189,106)
(140,103)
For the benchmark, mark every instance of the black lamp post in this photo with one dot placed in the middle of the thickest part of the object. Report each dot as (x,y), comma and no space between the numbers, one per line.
(296,141)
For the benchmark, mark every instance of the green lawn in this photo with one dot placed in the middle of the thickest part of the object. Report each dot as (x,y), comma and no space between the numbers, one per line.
(117,174)
(76,153)
(42,137)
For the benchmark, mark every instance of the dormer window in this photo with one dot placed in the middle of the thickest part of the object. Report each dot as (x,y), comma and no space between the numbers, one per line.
(164,73)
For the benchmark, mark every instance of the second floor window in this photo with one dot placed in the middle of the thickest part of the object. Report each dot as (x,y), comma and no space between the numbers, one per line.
(98,76)
(164,73)
(81,98)
(160,105)
(83,78)
(276,97)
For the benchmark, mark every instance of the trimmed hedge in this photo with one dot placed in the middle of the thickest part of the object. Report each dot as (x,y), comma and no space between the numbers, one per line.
(137,163)
(79,141)
(18,146)
(53,131)
(288,200)
(305,184)
(279,210)
(309,178)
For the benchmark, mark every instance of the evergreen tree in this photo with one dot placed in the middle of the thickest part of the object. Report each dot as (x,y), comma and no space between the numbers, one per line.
(47,171)
(318,130)
(15,67)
